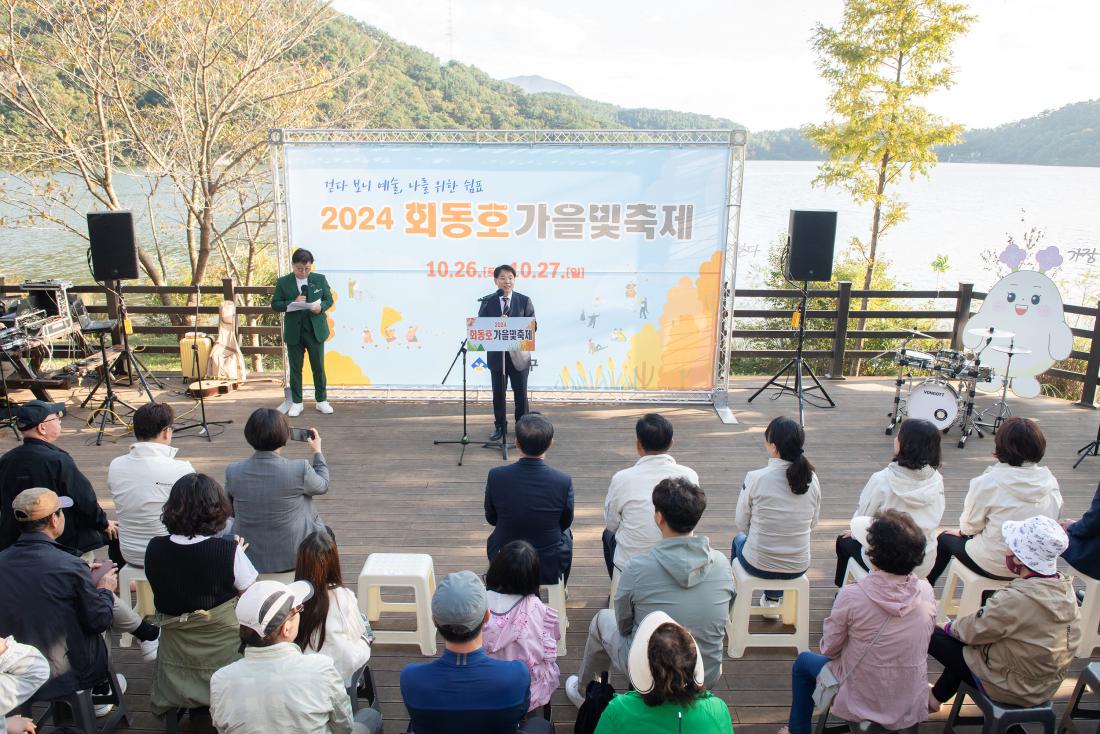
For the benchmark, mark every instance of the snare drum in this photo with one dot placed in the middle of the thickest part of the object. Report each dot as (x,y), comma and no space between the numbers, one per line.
(978,373)
(913,358)
(948,360)
(935,401)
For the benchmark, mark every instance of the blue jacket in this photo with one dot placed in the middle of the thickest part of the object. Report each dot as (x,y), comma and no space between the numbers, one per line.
(1084,541)
(466,693)
(529,500)
(48,600)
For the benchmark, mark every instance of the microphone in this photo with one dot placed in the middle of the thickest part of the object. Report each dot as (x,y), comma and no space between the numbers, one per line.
(491,296)
(305,290)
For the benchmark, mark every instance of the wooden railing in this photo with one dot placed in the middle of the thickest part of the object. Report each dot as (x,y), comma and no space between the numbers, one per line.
(956,311)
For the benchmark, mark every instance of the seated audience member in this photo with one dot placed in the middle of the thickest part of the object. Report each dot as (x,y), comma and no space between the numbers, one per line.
(272,496)
(39,462)
(666,671)
(54,602)
(275,688)
(778,507)
(22,671)
(141,480)
(331,623)
(464,690)
(628,508)
(1015,488)
(682,576)
(1083,552)
(196,577)
(529,500)
(910,484)
(1018,647)
(520,626)
(875,637)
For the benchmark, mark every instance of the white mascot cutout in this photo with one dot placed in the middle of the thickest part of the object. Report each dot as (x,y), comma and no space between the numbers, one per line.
(1028,304)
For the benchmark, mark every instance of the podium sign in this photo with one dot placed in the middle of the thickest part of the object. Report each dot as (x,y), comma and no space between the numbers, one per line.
(500,334)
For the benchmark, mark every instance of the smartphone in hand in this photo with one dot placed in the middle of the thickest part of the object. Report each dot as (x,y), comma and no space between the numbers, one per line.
(301,434)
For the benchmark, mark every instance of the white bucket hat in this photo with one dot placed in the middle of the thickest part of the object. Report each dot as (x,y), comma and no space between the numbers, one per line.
(1037,542)
(637,666)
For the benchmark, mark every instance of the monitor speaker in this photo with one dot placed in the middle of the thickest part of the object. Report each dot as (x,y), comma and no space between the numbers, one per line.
(114,250)
(812,236)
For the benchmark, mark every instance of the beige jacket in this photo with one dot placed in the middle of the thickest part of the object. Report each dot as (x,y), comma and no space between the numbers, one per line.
(1020,644)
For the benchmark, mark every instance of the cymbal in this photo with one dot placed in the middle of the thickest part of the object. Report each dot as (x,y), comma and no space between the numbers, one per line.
(992,333)
(916,333)
(1012,350)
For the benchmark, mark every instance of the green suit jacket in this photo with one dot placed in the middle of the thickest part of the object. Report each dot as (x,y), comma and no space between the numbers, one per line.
(286,290)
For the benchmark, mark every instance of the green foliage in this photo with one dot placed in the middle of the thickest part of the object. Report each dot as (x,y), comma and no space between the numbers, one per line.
(1069,136)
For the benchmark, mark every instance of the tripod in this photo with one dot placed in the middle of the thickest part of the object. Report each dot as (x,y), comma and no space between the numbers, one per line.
(797,364)
(203,425)
(465,440)
(1093,449)
(106,409)
(129,360)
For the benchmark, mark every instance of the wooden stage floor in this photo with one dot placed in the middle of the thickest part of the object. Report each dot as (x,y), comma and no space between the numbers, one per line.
(394,491)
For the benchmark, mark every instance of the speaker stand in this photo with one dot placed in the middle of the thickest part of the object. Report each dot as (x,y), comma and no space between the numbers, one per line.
(796,366)
(128,361)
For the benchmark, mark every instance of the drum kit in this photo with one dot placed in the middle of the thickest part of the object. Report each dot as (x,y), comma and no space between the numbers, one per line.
(940,386)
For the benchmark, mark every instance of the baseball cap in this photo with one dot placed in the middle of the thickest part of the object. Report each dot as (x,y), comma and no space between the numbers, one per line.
(33,412)
(637,662)
(267,604)
(36,503)
(460,601)
(1037,542)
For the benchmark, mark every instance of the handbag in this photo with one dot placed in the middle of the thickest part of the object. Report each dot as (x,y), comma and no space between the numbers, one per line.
(827,682)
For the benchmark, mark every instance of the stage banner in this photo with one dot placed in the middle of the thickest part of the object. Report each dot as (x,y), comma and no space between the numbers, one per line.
(496,334)
(619,248)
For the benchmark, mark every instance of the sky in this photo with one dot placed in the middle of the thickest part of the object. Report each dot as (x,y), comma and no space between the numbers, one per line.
(749,62)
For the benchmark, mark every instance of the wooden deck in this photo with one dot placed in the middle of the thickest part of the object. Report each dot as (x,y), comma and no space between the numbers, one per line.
(394,491)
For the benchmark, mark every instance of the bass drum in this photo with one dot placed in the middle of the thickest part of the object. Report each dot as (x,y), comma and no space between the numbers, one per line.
(934,401)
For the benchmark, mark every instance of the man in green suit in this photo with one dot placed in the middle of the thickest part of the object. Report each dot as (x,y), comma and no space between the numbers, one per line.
(304,329)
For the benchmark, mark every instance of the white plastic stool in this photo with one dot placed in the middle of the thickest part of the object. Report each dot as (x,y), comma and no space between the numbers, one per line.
(1090,615)
(285,577)
(409,570)
(144,594)
(854,572)
(555,596)
(614,587)
(974,585)
(794,609)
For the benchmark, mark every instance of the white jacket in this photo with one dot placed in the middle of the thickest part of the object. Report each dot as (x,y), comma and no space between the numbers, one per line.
(918,492)
(777,521)
(23,670)
(1003,492)
(628,508)
(140,482)
(344,628)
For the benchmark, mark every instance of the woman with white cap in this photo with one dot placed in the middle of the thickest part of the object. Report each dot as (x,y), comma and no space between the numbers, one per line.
(666,670)
(1017,647)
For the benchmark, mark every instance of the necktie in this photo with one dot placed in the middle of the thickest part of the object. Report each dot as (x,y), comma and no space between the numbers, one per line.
(504,309)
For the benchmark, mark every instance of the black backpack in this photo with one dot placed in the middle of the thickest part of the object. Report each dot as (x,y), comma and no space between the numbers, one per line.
(596,697)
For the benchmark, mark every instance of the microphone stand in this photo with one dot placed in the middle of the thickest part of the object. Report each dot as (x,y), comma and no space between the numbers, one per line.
(203,425)
(465,440)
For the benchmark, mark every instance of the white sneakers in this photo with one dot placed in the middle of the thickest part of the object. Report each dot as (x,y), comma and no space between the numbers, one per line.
(766,602)
(149,649)
(295,409)
(103,709)
(324,407)
(573,691)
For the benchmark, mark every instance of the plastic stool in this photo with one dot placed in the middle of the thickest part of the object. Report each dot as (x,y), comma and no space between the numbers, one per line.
(973,587)
(555,595)
(1089,677)
(144,595)
(81,705)
(854,572)
(1090,615)
(614,587)
(409,570)
(795,610)
(856,727)
(997,717)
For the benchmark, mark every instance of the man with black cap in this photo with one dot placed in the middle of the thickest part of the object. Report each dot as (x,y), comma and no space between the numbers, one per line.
(39,462)
(465,690)
(275,687)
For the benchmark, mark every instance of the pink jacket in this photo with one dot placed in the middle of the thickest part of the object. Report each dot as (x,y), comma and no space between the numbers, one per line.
(890,685)
(528,631)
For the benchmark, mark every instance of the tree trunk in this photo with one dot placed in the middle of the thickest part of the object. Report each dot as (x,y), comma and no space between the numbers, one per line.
(872,253)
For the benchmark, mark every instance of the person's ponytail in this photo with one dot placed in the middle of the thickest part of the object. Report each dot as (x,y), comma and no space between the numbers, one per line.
(788,438)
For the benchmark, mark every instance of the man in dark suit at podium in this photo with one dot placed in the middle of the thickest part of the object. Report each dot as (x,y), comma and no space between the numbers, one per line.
(516,364)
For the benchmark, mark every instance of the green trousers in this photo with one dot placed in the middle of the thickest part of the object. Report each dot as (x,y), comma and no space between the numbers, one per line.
(296,356)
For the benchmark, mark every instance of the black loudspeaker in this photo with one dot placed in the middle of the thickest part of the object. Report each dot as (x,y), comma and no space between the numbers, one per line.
(812,236)
(114,250)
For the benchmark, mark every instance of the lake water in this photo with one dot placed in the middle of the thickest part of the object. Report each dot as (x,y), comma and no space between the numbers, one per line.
(961,210)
